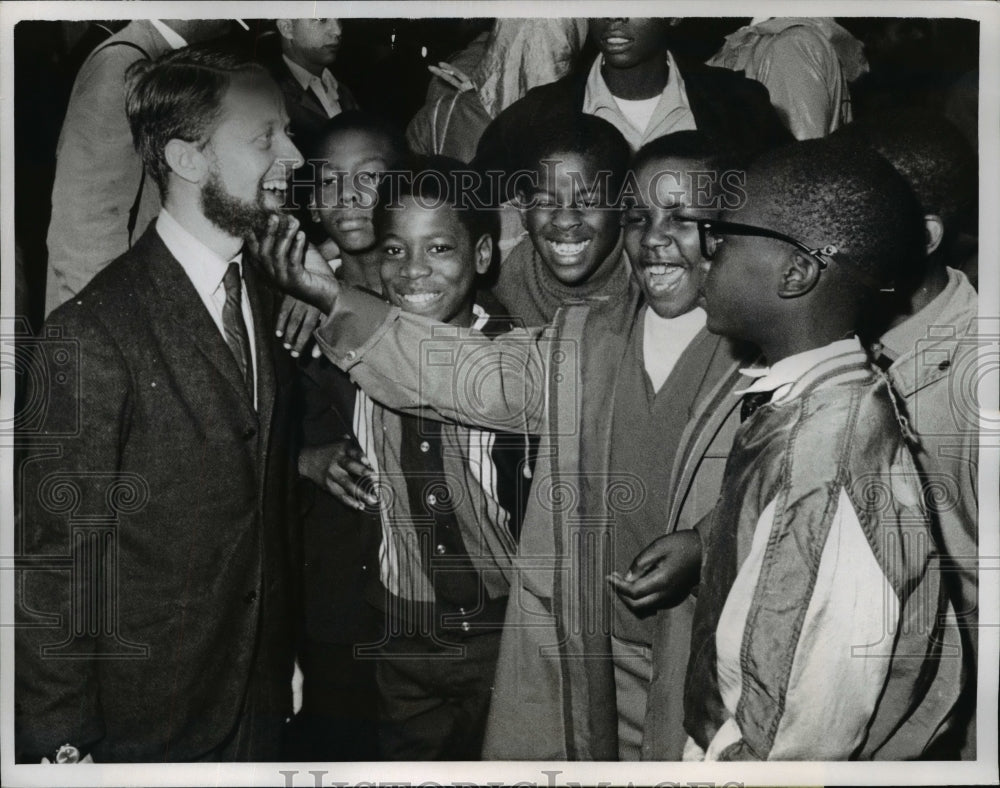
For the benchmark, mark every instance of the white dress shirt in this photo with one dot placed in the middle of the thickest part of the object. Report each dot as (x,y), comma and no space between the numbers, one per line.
(323,86)
(206,271)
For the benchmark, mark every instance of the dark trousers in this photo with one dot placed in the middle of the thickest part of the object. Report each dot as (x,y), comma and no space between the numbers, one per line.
(338,719)
(432,701)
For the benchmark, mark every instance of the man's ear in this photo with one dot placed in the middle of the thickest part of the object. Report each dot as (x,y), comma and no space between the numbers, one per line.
(484,254)
(933,232)
(799,275)
(284,28)
(185,160)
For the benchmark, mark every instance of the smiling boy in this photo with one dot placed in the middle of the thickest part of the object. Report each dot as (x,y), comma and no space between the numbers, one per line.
(449,498)
(823,630)
(568,191)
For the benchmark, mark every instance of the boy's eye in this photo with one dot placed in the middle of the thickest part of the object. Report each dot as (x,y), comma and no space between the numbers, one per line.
(368,178)
(392,250)
(633,217)
(441,248)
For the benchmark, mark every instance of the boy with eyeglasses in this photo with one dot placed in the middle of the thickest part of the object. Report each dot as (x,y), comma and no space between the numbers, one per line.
(822,630)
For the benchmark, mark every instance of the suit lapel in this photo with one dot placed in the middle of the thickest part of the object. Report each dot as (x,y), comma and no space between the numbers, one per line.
(186,310)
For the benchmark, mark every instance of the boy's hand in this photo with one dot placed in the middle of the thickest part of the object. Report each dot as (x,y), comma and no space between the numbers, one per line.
(663,574)
(296,322)
(342,469)
(280,251)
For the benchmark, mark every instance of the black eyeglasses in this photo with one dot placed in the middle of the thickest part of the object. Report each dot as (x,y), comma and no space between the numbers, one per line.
(711,230)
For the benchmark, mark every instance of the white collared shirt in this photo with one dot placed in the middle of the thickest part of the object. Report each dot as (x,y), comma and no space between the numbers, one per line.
(672,111)
(173,38)
(324,86)
(801,368)
(206,271)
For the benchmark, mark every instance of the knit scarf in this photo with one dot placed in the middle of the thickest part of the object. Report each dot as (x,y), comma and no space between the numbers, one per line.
(532,294)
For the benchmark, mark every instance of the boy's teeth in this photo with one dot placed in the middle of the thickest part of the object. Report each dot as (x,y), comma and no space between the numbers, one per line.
(419,298)
(657,270)
(569,249)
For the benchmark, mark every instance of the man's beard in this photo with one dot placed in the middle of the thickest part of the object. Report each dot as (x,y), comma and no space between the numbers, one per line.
(231,214)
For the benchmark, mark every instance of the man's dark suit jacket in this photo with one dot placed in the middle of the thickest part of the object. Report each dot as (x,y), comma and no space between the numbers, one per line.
(154,431)
(726,106)
(305,113)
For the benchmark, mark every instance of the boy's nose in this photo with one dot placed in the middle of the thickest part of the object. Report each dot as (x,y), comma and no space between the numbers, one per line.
(566,217)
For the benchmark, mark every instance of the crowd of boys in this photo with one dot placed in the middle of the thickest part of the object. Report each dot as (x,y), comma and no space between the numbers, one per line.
(662,482)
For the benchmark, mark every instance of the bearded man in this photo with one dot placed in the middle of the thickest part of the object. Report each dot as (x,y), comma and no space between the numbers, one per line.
(158,626)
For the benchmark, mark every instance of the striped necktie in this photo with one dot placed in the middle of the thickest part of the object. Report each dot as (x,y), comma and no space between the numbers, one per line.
(234,326)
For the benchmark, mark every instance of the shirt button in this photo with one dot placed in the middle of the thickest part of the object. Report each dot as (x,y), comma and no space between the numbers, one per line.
(440,549)
(350,355)
(432,499)
(461,610)
(425,446)
(465,626)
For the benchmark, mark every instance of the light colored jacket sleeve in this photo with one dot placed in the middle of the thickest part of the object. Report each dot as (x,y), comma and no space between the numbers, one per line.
(97,177)
(802,73)
(418,366)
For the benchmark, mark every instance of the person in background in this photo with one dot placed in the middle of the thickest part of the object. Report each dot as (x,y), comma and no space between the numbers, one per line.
(806,64)
(927,342)
(312,94)
(101,201)
(349,155)
(638,86)
(338,721)
(497,69)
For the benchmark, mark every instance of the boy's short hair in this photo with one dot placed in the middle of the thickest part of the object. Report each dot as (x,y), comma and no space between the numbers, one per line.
(933,156)
(841,192)
(437,181)
(584,135)
(688,145)
(178,96)
(358,120)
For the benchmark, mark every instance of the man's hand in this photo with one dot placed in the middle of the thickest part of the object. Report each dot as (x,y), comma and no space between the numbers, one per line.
(280,252)
(663,574)
(342,469)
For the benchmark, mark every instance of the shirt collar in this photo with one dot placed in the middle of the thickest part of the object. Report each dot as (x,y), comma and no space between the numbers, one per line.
(173,38)
(782,376)
(204,267)
(900,340)
(306,78)
(597,95)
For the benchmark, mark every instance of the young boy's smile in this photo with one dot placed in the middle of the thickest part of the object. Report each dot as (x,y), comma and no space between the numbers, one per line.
(664,250)
(572,226)
(430,262)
